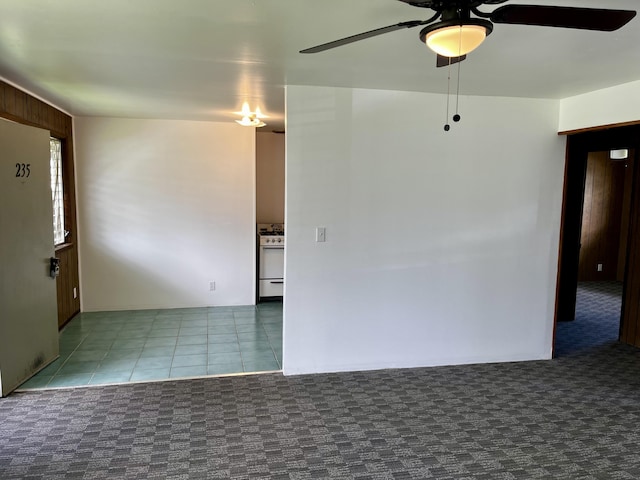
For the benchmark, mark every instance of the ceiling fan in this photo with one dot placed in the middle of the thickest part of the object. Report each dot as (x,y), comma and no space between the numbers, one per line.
(452,32)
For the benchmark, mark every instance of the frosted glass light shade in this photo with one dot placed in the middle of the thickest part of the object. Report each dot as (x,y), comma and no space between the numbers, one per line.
(621,154)
(456,40)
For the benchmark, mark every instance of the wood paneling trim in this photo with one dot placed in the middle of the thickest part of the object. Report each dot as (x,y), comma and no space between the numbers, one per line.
(67,281)
(601,218)
(20,107)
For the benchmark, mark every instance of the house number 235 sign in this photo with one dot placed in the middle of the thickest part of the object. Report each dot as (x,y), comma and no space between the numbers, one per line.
(23,170)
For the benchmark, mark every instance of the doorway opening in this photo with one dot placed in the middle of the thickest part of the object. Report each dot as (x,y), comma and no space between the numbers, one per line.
(602,253)
(596,290)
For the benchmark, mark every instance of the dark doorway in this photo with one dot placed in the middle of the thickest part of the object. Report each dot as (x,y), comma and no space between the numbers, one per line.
(598,233)
(597,319)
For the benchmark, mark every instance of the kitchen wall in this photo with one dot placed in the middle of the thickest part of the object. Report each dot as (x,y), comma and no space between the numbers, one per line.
(269,177)
(441,247)
(165,207)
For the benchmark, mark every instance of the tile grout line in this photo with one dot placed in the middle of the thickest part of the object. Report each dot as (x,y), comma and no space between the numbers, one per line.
(235,325)
(66,359)
(271,345)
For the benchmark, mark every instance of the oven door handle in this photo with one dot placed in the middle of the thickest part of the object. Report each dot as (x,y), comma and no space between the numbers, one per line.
(272,247)
(277,282)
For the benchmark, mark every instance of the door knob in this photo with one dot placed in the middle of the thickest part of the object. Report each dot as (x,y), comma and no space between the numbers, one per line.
(54,267)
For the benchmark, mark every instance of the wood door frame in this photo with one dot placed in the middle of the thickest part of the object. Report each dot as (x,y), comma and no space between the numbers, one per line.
(578,147)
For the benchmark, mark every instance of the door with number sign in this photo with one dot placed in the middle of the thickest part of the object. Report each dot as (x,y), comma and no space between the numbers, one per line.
(28,310)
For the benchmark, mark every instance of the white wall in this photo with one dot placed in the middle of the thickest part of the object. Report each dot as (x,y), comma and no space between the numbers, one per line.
(164,208)
(441,247)
(603,107)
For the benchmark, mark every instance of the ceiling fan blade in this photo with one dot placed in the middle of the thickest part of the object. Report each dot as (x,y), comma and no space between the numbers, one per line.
(369,34)
(567,17)
(442,61)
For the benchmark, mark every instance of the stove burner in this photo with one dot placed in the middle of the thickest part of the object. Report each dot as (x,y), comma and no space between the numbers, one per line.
(270,229)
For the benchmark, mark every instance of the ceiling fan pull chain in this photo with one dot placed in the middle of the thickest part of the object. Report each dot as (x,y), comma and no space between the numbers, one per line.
(446,125)
(456,117)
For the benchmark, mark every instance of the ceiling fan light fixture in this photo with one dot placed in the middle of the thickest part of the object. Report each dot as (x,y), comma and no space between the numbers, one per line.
(453,38)
(249,118)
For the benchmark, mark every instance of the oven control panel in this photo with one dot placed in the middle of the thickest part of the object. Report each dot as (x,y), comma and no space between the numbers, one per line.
(271,239)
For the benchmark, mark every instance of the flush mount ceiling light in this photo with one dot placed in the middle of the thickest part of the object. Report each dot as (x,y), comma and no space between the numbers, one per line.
(454,38)
(620,154)
(249,118)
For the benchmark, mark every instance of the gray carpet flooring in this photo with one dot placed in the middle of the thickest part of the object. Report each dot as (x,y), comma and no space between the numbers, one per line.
(571,418)
(575,417)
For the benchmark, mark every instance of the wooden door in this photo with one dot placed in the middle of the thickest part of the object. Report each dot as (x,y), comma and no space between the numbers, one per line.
(569,258)
(28,309)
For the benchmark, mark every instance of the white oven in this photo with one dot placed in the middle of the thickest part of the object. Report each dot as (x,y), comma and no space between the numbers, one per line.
(270,261)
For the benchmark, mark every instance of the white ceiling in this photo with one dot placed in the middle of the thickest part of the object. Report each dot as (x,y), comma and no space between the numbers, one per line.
(200,59)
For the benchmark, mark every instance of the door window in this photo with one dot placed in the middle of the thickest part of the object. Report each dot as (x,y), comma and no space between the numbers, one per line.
(56,191)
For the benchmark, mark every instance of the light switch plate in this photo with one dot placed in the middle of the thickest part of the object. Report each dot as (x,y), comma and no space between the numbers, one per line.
(321,234)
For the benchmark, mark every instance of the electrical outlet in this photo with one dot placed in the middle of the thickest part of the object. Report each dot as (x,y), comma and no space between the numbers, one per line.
(599,267)
(212,286)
